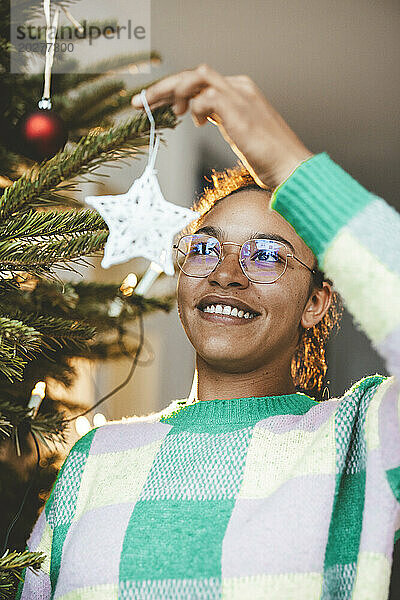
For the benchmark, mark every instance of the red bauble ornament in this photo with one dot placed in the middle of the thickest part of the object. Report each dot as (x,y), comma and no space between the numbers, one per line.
(42,134)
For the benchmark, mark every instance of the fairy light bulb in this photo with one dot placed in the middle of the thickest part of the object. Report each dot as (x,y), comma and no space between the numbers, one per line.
(99,420)
(40,389)
(82,426)
(37,395)
(128,285)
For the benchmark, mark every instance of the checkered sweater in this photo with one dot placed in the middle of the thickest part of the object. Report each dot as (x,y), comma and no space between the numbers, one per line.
(277,497)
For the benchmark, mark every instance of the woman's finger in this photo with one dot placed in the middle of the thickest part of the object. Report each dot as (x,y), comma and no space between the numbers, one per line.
(209,103)
(204,106)
(241,81)
(178,88)
(202,102)
(162,92)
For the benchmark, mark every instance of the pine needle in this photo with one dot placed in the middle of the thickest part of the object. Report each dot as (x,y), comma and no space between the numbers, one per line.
(12,566)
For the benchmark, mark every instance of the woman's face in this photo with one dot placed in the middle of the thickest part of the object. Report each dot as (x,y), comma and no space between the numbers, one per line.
(239,345)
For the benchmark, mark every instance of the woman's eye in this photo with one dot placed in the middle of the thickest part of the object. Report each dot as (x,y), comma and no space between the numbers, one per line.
(199,249)
(203,249)
(262,255)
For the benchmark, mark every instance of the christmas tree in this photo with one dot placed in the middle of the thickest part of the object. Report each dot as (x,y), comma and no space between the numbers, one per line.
(44,322)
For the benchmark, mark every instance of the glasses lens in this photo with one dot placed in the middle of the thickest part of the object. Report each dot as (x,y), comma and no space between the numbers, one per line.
(198,254)
(263,260)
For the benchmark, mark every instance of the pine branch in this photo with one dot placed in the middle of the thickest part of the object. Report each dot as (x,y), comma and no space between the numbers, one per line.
(111,66)
(19,342)
(87,100)
(151,303)
(101,113)
(15,562)
(15,332)
(5,427)
(56,331)
(70,81)
(12,566)
(93,150)
(33,224)
(24,336)
(39,258)
(58,199)
(7,285)
(52,364)
(86,302)
(92,296)
(49,427)
(28,333)
(12,366)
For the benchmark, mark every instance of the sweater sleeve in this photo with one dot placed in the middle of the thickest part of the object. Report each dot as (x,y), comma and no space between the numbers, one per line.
(36,584)
(50,529)
(355,237)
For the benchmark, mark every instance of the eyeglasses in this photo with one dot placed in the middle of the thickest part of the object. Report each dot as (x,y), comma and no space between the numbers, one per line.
(261,260)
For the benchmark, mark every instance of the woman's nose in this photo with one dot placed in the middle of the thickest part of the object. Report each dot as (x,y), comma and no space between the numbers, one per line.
(228,272)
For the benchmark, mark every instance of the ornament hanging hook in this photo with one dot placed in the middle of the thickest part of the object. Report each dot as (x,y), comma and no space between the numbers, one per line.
(153,146)
(51,32)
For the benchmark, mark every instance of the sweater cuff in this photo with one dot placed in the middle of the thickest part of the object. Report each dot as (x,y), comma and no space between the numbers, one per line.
(318,199)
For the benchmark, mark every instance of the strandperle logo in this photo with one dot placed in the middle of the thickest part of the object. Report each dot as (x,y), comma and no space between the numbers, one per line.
(84,35)
(90,32)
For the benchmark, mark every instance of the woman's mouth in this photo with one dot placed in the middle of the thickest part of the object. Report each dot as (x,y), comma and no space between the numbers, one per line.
(226,314)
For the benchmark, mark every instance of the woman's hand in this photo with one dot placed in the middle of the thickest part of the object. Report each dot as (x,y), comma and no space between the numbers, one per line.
(256,132)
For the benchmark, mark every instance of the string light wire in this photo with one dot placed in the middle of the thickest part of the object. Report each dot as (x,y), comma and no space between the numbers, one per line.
(126,380)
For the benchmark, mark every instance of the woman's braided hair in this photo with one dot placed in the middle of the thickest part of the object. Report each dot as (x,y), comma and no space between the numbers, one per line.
(309,364)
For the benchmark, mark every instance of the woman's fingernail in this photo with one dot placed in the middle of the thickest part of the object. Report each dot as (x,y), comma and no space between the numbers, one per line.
(137,101)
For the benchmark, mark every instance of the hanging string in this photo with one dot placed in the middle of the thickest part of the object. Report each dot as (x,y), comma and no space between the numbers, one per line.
(153,147)
(51,32)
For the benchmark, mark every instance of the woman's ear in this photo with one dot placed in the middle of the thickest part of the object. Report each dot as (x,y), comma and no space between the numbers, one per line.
(317,305)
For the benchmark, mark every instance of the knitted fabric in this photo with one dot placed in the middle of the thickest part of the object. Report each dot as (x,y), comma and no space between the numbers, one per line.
(278,497)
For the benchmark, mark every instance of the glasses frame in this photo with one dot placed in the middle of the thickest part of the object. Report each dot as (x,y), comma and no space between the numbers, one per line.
(222,244)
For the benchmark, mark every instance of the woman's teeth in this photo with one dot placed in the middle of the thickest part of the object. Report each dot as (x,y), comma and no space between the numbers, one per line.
(220,309)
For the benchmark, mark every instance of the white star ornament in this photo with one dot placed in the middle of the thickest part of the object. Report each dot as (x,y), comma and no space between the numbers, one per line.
(141,223)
